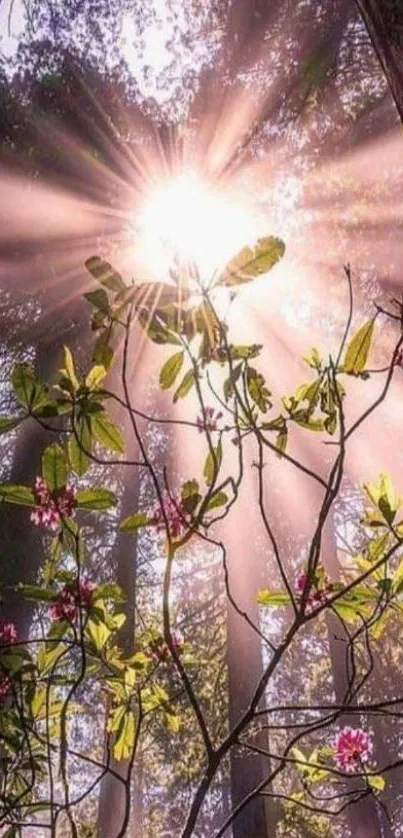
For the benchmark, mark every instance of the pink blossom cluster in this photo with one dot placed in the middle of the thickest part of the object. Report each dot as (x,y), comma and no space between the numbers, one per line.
(353,747)
(318,591)
(52,506)
(8,634)
(174,513)
(160,649)
(70,599)
(208,420)
(5,684)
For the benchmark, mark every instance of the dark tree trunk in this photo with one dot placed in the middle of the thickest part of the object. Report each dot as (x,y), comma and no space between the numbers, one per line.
(244,659)
(115,795)
(384,22)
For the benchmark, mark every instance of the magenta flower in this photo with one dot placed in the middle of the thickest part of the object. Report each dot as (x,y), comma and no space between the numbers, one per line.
(353,747)
(70,599)
(5,684)
(208,420)
(52,506)
(175,515)
(160,649)
(8,634)
(319,589)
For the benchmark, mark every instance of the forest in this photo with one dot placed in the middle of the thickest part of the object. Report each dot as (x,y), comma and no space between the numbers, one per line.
(201,355)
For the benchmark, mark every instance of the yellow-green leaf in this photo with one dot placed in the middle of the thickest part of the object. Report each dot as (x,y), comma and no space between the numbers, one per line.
(376,782)
(251,262)
(54,467)
(357,351)
(69,368)
(185,385)
(171,370)
(107,433)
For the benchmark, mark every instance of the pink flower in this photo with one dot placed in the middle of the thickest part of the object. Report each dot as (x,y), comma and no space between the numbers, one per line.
(320,588)
(70,599)
(175,515)
(353,747)
(208,420)
(160,649)
(53,506)
(8,634)
(5,684)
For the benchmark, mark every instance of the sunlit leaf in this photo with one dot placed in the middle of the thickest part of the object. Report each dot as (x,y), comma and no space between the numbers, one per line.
(104,273)
(219,498)
(95,376)
(96,499)
(107,433)
(13,493)
(251,262)
(357,351)
(69,368)
(185,386)
(124,741)
(273,598)
(171,370)
(376,781)
(135,522)
(54,467)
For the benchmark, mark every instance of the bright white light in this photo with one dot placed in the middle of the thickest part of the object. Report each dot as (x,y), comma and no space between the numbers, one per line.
(185,218)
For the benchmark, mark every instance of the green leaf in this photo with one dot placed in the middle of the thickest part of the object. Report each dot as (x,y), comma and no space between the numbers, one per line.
(30,392)
(95,377)
(212,464)
(171,370)
(7,424)
(281,441)
(103,353)
(104,273)
(376,781)
(36,592)
(124,741)
(190,496)
(99,299)
(54,467)
(96,499)
(134,522)
(357,351)
(185,386)
(22,495)
(273,598)
(98,634)
(218,498)
(251,262)
(78,459)
(69,368)
(257,389)
(107,433)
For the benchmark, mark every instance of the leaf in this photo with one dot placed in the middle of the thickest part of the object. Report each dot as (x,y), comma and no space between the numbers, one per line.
(281,441)
(107,433)
(13,493)
(78,458)
(36,592)
(251,262)
(54,467)
(7,424)
(99,299)
(376,781)
(124,741)
(217,499)
(257,389)
(134,522)
(171,370)
(228,386)
(273,598)
(98,634)
(397,585)
(95,376)
(30,392)
(357,351)
(96,498)
(186,385)
(104,273)
(190,496)
(212,464)
(69,368)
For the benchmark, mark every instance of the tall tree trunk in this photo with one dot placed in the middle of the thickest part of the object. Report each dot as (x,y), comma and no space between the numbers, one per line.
(244,660)
(114,794)
(384,22)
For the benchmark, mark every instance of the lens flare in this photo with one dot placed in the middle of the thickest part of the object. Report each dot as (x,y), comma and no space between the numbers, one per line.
(186,219)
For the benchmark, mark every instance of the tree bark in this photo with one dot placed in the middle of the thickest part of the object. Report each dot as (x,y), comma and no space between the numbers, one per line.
(384,22)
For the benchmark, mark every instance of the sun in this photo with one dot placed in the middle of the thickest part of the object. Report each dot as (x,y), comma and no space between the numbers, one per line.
(184,218)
